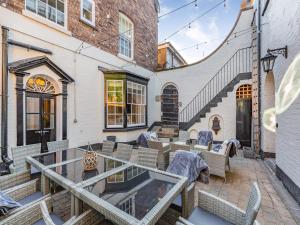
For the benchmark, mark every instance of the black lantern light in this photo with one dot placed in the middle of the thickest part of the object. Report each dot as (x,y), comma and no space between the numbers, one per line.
(268,60)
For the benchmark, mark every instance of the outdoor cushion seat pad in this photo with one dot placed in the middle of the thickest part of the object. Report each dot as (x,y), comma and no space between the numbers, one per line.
(55,219)
(31,198)
(202,217)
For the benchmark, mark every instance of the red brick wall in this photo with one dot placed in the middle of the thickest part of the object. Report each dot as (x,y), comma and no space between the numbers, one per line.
(105,34)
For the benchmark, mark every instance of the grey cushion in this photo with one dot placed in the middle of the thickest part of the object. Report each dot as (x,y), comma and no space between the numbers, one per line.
(31,198)
(57,220)
(178,201)
(201,217)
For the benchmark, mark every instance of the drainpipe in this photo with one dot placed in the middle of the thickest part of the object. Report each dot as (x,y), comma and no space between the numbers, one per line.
(4,94)
(259,77)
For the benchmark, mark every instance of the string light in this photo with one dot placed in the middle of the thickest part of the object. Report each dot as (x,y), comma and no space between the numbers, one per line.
(181,7)
(188,25)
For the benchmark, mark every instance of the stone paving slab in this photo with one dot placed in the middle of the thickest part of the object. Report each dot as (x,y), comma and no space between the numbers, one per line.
(237,188)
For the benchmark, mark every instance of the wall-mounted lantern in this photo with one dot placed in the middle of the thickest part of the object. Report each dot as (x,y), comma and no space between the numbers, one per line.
(268,60)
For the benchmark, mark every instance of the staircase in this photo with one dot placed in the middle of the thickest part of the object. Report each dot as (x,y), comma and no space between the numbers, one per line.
(237,68)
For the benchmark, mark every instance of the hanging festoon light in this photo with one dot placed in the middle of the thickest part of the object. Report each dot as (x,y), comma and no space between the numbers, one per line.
(289,89)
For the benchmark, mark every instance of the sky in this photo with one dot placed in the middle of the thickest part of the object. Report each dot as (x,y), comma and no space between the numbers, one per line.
(207,32)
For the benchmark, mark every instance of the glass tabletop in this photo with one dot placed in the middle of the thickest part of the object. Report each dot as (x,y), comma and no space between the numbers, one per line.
(59,156)
(75,172)
(135,190)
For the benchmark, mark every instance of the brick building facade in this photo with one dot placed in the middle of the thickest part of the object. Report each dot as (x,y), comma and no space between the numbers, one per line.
(105,33)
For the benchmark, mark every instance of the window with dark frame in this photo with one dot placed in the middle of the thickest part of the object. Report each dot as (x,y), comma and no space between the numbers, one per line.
(125,101)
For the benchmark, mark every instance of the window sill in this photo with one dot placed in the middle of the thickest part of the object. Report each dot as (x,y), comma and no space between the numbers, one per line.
(91,25)
(126,58)
(125,129)
(46,22)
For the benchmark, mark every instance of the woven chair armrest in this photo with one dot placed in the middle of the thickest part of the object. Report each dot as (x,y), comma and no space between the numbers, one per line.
(14,179)
(23,190)
(182,221)
(221,208)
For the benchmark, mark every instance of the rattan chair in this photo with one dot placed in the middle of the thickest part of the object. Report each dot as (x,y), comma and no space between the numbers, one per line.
(26,194)
(58,145)
(216,211)
(20,153)
(184,136)
(53,211)
(217,162)
(176,146)
(163,155)
(108,148)
(14,179)
(147,157)
(123,152)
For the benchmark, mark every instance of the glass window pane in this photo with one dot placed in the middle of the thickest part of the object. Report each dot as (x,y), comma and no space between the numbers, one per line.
(119,119)
(42,8)
(52,3)
(111,120)
(33,122)
(61,6)
(51,13)
(31,5)
(87,5)
(87,15)
(60,18)
(33,105)
(111,109)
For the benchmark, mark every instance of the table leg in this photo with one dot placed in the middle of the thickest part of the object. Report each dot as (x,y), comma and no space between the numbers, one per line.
(184,199)
(45,185)
(78,206)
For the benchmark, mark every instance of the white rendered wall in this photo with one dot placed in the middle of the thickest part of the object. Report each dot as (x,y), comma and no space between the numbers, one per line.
(85,95)
(191,79)
(226,110)
(282,27)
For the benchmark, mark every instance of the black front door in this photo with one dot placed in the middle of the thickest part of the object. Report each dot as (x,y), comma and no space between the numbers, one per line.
(40,119)
(243,121)
(169,105)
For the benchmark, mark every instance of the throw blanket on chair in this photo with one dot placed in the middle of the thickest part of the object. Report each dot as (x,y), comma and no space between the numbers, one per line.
(144,137)
(233,150)
(188,164)
(204,137)
(7,203)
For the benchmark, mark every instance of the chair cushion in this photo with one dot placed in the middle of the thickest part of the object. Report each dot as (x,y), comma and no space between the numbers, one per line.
(31,198)
(177,201)
(57,220)
(202,217)
(200,147)
(180,143)
(165,144)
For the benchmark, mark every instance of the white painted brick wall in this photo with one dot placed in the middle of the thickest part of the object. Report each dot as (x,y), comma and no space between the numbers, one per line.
(282,27)
(225,109)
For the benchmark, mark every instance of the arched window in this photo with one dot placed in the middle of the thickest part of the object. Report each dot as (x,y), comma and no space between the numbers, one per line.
(244,92)
(126,34)
(41,84)
(87,11)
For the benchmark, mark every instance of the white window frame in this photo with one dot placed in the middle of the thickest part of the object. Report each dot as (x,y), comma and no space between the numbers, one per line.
(107,104)
(93,12)
(114,181)
(46,19)
(143,103)
(120,54)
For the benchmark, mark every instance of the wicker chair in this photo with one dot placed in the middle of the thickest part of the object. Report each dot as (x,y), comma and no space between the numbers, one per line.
(217,162)
(163,155)
(123,152)
(14,179)
(58,145)
(20,153)
(184,136)
(108,148)
(26,194)
(53,211)
(176,146)
(147,157)
(213,210)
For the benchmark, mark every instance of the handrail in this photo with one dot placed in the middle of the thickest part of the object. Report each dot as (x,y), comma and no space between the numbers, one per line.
(240,62)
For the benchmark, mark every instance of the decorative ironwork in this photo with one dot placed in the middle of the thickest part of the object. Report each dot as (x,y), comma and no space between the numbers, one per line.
(244,92)
(40,84)
(216,125)
(268,60)
(279,51)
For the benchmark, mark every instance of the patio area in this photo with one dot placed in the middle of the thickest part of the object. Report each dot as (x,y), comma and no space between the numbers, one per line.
(236,190)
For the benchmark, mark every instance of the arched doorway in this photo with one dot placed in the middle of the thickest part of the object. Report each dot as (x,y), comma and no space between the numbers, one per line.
(244,114)
(169,105)
(269,102)
(40,111)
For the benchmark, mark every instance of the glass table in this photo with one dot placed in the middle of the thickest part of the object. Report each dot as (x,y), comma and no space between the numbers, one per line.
(123,192)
